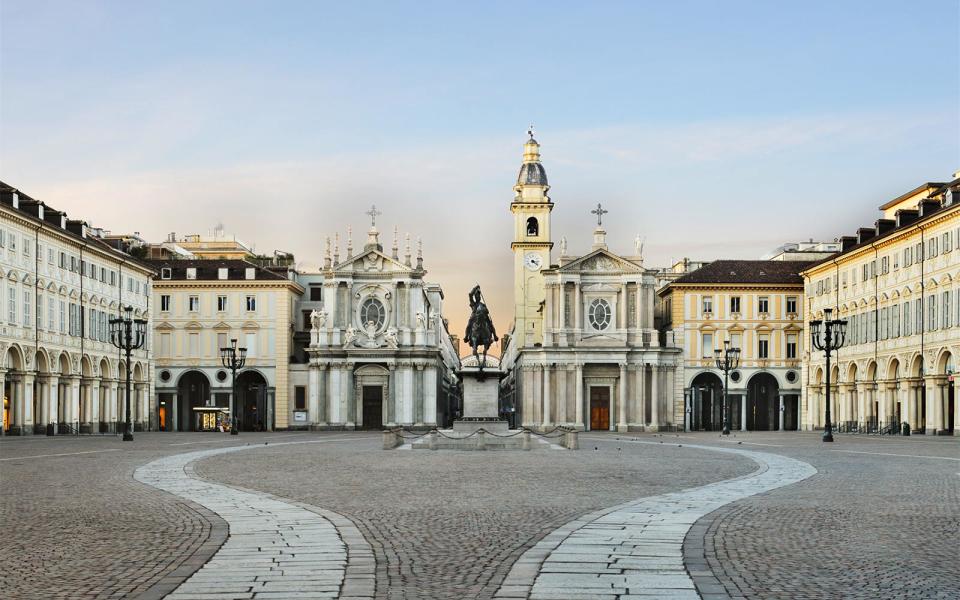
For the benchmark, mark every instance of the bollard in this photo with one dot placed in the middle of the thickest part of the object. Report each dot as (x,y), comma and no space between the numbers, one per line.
(573,440)
(525,440)
(481,439)
(433,440)
(389,439)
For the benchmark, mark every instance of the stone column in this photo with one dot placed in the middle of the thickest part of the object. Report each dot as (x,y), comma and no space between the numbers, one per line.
(419,398)
(408,395)
(651,331)
(622,316)
(577,306)
(782,409)
(392,394)
(74,411)
(622,384)
(26,407)
(563,380)
(743,412)
(348,396)
(578,409)
(548,316)
(637,309)
(640,417)
(563,314)
(313,381)
(430,396)
(335,394)
(655,399)
(547,417)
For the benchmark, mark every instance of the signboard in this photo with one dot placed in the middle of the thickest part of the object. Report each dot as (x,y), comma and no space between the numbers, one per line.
(300,416)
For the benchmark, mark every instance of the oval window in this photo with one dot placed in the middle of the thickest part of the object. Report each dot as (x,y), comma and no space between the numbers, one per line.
(599,314)
(372,314)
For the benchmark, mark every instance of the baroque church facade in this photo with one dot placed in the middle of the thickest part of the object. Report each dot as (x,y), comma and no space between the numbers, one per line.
(373,345)
(584,351)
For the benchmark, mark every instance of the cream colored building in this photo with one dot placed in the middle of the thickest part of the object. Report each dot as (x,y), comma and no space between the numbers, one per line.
(897,283)
(62,282)
(200,305)
(756,305)
(583,351)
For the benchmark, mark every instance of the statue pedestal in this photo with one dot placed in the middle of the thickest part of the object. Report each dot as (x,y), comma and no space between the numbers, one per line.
(480,426)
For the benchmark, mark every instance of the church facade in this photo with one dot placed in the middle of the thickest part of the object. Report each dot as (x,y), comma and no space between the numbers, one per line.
(373,348)
(583,351)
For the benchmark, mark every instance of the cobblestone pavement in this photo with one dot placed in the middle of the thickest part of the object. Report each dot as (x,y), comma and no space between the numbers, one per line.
(880,519)
(450,524)
(635,550)
(77,525)
(274,549)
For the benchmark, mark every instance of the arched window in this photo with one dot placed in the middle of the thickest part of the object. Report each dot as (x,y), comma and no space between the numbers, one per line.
(372,312)
(533,227)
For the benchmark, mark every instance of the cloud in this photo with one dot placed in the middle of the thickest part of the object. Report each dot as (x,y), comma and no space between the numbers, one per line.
(731,188)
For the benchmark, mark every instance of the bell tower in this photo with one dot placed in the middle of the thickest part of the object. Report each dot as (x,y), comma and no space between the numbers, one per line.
(531,246)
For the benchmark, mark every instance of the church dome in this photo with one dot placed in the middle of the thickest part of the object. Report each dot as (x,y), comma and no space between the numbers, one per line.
(532,173)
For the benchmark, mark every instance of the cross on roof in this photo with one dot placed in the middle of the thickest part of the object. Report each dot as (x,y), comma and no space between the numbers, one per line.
(599,212)
(530,131)
(373,213)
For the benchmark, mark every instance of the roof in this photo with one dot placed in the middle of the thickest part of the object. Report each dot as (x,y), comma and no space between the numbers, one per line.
(532,173)
(54,220)
(936,208)
(769,272)
(209,270)
(920,188)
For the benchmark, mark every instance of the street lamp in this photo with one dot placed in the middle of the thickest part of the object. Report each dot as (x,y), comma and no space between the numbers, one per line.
(233,358)
(128,334)
(727,360)
(830,338)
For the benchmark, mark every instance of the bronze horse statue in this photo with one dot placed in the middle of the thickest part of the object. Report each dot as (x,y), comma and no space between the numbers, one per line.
(480,330)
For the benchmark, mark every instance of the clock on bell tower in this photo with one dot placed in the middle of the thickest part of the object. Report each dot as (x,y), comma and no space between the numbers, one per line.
(531,246)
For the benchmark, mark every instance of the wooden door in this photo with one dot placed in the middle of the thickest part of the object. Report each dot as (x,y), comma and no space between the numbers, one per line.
(599,408)
(373,407)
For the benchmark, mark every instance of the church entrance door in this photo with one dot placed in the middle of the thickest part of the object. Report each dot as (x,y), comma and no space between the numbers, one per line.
(373,407)
(599,408)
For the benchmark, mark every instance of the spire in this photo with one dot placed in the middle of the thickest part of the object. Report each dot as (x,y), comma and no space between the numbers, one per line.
(349,241)
(336,248)
(406,257)
(419,254)
(326,254)
(395,254)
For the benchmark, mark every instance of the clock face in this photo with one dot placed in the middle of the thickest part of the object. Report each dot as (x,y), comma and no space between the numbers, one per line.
(533,261)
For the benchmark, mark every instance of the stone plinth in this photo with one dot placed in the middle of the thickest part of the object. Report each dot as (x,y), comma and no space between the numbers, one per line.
(481,393)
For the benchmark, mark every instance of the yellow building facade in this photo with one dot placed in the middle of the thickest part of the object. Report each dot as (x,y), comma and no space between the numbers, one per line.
(199,306)
(756,305)
(896,283)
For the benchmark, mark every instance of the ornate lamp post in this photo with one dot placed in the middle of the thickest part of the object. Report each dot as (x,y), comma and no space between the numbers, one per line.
(831,337)
(233,358)
(128,334)
(727,360)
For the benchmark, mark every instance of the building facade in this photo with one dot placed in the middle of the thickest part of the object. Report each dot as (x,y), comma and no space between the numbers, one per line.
(583,351)
(200,306)
(63,283)
(756,305)
(373,348)
(896,284)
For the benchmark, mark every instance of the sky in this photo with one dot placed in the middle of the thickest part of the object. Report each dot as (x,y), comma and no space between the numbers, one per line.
(710,129)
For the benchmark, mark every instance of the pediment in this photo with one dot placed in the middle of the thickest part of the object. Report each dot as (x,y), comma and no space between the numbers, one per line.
(193,325)
(164,327)
(221,325)
(601,261)
(372,261)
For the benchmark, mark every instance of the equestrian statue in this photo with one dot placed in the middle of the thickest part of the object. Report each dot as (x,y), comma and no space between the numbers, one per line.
(480,331)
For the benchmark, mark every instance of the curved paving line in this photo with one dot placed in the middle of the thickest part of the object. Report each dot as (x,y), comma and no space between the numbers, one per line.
(635,550)
(274,549)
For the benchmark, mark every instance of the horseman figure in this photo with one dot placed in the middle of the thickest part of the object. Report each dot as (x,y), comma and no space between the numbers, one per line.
(480,331)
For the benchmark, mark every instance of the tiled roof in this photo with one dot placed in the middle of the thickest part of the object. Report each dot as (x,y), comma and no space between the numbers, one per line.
(209,270)
(748,272)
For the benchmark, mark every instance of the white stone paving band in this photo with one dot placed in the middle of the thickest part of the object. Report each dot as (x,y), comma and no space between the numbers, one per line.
(635,550)
(275,549)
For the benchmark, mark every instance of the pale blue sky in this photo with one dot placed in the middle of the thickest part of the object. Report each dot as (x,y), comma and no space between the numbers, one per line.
(712,129)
